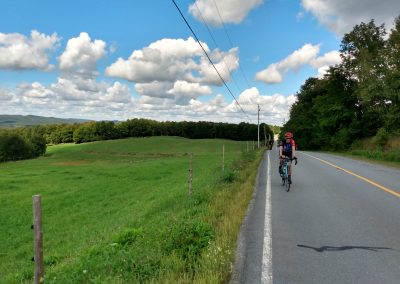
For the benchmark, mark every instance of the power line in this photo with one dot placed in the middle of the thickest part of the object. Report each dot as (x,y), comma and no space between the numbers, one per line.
(209,59)
(230,41)
(216,44)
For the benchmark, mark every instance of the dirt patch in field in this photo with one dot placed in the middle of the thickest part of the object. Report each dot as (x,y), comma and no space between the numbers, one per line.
(137,155)
(70,163)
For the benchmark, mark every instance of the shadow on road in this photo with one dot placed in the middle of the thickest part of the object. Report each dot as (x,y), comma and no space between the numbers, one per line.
(331,248)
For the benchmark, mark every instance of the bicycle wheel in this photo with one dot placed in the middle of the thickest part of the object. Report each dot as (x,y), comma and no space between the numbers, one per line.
(283,181)
(287,186)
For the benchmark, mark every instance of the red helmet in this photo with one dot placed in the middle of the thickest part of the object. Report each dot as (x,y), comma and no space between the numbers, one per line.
(288,135)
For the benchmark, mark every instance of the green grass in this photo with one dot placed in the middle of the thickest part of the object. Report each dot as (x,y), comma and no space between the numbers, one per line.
(119,212)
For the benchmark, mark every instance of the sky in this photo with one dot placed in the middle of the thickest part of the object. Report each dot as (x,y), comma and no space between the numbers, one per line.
(121,59)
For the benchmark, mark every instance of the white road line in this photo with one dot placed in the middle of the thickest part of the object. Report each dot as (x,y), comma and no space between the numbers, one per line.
(266,275)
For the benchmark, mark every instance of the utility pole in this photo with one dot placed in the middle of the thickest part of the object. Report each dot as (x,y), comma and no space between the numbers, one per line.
(258,126)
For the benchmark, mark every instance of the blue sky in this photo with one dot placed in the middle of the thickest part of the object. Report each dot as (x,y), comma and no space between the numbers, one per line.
(125,59)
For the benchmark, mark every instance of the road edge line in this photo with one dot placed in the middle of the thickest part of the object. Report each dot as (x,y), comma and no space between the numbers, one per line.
(266,275)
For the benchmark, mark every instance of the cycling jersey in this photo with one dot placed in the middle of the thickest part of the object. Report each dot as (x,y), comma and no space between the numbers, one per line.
(287,147)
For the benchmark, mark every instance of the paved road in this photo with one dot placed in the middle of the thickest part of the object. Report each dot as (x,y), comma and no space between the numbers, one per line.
(340,223)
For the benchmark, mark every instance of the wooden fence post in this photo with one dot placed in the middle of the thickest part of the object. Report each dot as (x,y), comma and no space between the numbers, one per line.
(38,239)
(190,174)
(223,157)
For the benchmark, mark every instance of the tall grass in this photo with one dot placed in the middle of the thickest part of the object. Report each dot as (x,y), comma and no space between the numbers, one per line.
(119,212)
(374,149)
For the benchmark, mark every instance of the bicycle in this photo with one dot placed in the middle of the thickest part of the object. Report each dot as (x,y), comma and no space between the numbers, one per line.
(285,172)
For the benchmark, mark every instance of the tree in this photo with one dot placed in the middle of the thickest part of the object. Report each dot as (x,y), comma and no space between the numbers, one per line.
(363,51)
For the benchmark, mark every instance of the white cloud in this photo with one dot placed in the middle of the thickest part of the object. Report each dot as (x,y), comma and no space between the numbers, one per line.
(323,63)
(154,89)
(163,60)
(270,75)
(306,55)
(225,63)
(340,16)
(274,108)
(184,91)
(189,89)
(118,93)
(5,95)
(175,69)
(81,55)
(17,52)
(114,102)
(231,11)
(76,93)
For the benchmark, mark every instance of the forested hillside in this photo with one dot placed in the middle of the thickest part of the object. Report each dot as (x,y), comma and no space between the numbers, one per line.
(357,99)
(10,121)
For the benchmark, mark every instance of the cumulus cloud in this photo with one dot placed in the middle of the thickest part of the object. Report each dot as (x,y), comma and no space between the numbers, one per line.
(115,102)
(306,55)
(175,69)
(5,95)
(18,52)
(340,16)
(163,60)
(81,55)
(323,62)
(184,91)
(67,98)
(76,91)
(231,11)
(225,63)
(274,108)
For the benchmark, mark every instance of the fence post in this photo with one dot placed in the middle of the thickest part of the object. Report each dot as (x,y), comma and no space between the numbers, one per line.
(38,239)
(223,157)
(190,174)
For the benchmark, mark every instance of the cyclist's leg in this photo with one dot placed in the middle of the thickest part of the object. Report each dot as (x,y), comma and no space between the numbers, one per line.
(280,166)
(290,172)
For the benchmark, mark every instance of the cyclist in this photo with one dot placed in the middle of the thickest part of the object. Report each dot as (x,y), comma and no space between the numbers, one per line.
(287,148)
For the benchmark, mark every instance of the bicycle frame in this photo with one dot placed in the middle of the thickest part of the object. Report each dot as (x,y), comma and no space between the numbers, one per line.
(285,176)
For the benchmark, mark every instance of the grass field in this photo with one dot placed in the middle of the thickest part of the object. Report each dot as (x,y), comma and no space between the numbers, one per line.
(119,212)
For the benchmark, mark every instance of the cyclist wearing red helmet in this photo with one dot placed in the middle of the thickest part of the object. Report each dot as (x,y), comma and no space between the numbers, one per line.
(287,148)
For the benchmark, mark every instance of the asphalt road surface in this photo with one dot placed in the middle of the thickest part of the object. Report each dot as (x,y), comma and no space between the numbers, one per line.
(340,223)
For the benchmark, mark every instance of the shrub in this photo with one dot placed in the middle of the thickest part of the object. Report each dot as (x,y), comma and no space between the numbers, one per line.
(381,138)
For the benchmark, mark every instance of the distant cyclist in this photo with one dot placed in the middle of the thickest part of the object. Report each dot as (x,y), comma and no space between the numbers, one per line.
(287,148)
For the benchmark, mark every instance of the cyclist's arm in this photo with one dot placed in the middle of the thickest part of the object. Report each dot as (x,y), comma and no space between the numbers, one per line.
(293,149)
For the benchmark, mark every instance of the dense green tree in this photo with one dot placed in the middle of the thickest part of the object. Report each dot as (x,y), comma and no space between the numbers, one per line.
(355,99)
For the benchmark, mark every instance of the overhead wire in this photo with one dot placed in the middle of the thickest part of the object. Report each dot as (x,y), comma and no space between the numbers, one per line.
(230,41)
(209,59)
(231,45)
(216,44)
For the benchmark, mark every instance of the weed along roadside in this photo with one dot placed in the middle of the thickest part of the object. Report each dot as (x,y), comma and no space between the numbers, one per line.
(124,214)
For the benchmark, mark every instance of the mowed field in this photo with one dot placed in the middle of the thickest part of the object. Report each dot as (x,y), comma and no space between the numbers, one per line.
(117,211)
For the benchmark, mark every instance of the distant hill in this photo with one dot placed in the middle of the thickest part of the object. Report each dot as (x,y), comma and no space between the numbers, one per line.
(10,121)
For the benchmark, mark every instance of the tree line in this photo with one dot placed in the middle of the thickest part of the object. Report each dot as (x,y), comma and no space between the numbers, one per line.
(25,143)
(356,99)
(21,144)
